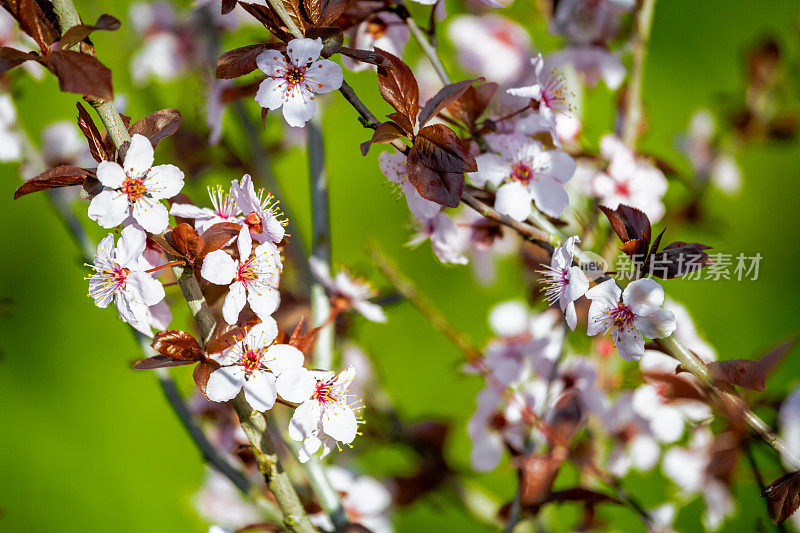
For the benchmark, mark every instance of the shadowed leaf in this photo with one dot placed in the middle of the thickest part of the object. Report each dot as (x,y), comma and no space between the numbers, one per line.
(241,61)
(158,125)
(60,176)
(80,32)
(446,95)
(783,497)
(80,73)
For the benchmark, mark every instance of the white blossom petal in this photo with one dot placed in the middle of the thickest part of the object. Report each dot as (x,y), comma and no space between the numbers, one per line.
(224,383)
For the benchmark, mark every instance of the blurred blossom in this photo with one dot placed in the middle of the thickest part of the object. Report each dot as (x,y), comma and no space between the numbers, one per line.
(63,144)
(383,30)
(589,21)
(593,62)
(492,46)
(220,502)
(706,157)
(484,241)
(789,419)
(443,234)
(634,444)
(365,500)
(629,180)
(167,47)
(10,137)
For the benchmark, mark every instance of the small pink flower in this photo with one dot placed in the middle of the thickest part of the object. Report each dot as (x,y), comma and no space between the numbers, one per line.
(354,293)
(565,283)
(292,82)
(260,211)
(252,280)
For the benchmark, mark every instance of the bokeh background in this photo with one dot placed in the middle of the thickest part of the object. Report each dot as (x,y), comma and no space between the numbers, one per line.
(87,444)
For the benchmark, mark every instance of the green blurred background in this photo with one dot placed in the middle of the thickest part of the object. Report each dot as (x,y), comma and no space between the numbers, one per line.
(90,445)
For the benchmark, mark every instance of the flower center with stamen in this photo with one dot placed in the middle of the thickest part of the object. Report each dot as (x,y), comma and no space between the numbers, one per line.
(295,75)
(133,188)
(622,189)
(251,360)
(254,222)
(622,317)
(245,272)
(521,172)
(556,279)
(554,93)
(324,392)
(376,28)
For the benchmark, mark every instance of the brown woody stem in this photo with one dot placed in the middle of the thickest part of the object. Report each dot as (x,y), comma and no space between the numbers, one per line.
(367,119)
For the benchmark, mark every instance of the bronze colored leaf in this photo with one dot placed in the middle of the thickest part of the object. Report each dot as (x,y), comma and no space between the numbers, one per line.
(33,21)
(304,342)
(446,95)
(60,176)
(160,361)
(385,133)
(158,125)
(469,107)
(177,344)
(218,236)
(398,86)
(441,149)
(81,31)
(80,73)
(747,373)
(202,372)
(187,242)
(783,497)
(537,473)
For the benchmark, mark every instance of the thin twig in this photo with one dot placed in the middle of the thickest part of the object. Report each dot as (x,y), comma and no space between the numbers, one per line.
(366,117)
(634,114)
(541,238)
(427,49)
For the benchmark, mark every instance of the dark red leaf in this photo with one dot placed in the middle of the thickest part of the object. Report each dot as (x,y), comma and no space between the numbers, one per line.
(157,125)
(241,61)
(402,121)
(227,6)
(202,372)
(537,473)
(580,494)
(304,341)
(80,32)
(444,188)
(11,57)
(33,21)
(678,259)
(446,95)
(80,73)
(177,344)
(783,497)
(385,133)
(398,86)
(187,242)
(60,176)
(473,103)
(632,227)
(440,149)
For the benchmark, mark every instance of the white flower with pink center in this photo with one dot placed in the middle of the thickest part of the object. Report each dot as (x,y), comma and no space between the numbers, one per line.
(523,172)
(630,315)
(550,92)
(393,166)
(629,181)
(263,369)
(346,291)
(253,278)
(121,276)
(135,188)
(293,81)
(224,209)
(260,210)
(328,416)
(564,283)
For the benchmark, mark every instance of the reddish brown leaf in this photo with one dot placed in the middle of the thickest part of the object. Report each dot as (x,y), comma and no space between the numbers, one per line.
(436,165)
(385,133)
(783,497)
(227,6)
(80,73)
(218,236)
(60,176)
(304,342)
(365,56)
(677,259)
(750,374)
(82,31)
(187,241)
(224,335)
(11,57)
(536,476)
(444,188)
(295,13)
(157,125)
(446,95)
(33,21)
(265,16)
(473,103)
(724,455)
(165,245)
(398,86)
(202,372)
(177,344)
(674,388)
(241,61)
(160,361)
(402,121)
(92,134)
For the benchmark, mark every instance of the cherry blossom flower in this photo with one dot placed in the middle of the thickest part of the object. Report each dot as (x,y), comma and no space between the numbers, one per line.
(260,210)
(523,172)
(263,369)
(328,416)
(135,188)
(166,48)
(346,291)
(393,166)
(62,144)
(224,210)
(365,501)
(444,237)
(589,21)
(10,138)
(550,92)
(629,181)
(292,83)
(634,444)
(383,30)
(220,502)
(637,314)
(253,279)
(789,422)
(565,283)
(707,160)
(491,45)
(593,62)
(120,276)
